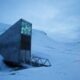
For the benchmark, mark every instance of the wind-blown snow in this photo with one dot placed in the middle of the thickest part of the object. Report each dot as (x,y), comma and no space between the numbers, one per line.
(64,57)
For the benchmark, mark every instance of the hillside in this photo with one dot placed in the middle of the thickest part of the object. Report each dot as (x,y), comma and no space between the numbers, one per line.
(64,57)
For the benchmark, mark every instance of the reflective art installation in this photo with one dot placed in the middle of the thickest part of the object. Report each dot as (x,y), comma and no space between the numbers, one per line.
(15,43)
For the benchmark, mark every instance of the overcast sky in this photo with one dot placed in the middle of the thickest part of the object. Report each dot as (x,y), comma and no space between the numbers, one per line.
(59,18)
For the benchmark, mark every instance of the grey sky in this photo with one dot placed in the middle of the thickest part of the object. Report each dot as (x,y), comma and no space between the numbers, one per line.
(59,18)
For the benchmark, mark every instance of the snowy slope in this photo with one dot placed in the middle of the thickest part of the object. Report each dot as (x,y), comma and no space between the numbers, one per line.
(3,27)
(64,57)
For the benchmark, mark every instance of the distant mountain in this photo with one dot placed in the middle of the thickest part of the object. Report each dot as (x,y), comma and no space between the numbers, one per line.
(3,27)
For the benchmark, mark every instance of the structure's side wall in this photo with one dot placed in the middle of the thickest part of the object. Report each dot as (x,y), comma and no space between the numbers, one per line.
(10,43)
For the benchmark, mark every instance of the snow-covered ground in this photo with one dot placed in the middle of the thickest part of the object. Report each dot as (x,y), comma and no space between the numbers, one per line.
(64,57)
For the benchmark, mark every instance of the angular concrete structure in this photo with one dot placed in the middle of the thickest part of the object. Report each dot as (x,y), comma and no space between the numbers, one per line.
(15,43)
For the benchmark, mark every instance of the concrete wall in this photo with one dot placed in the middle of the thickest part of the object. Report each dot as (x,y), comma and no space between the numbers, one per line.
(10,44)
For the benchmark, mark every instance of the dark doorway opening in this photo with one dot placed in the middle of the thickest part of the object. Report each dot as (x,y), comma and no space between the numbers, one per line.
(25,42)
